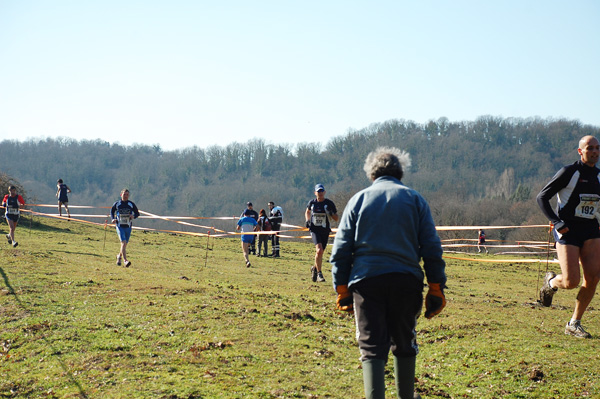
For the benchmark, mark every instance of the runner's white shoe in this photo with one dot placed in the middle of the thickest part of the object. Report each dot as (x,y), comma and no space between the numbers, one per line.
(575,329)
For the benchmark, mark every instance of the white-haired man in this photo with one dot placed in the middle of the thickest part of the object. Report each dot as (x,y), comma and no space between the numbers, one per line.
(385,231)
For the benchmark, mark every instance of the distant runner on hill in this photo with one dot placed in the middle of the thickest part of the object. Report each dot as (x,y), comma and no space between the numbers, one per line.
(481,241)
(61,193)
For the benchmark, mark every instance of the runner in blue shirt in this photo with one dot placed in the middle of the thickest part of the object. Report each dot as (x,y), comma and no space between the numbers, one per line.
(122,214)
(254,215)
(247,224)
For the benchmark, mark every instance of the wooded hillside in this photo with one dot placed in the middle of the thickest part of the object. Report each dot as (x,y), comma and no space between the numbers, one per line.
(478,172)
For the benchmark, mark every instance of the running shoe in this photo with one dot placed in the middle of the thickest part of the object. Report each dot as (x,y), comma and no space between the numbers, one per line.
(313,272)
(118,260)
(9,239)
(575,329)
(127,263)
(547,292)
(14,244)
(247,264)
(320,277)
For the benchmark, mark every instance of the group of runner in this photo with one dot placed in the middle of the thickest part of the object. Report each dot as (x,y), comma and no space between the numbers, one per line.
(254,224)
(13,202)
(318,211)
(386,230)
(261,222)
(122,214)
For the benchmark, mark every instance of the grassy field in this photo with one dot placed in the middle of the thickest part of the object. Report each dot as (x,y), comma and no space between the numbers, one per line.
(75,325)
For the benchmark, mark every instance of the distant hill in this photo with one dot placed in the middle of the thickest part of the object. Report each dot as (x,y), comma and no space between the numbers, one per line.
(483,172)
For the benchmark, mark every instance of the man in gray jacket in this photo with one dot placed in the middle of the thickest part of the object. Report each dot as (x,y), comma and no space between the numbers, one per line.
(385,231)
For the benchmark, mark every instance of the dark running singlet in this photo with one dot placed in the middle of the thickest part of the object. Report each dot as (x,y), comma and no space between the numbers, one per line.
(319,220)
(62,194)
(12,206)
(577,188)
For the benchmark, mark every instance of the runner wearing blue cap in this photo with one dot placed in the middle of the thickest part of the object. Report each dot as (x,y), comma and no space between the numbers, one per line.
(318,212)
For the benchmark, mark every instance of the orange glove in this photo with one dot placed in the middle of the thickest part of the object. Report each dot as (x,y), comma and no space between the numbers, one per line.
(344,299)
(434,300)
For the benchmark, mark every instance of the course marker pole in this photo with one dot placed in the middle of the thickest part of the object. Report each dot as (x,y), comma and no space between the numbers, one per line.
(207,241)
(104,244)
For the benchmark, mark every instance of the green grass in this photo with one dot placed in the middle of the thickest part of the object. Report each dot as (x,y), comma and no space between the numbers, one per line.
(73,324)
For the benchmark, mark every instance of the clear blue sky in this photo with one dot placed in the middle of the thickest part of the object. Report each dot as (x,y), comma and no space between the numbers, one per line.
(181,73)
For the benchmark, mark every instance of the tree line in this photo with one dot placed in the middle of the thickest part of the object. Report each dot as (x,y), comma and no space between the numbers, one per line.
(481,172)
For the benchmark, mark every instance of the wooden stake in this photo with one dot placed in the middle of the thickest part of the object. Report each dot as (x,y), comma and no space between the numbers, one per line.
(207,241)
(104,245)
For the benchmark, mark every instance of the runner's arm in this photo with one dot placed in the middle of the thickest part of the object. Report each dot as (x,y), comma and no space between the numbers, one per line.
(558,182)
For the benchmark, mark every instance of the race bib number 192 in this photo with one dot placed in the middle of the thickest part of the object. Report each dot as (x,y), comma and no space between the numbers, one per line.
(588,206)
